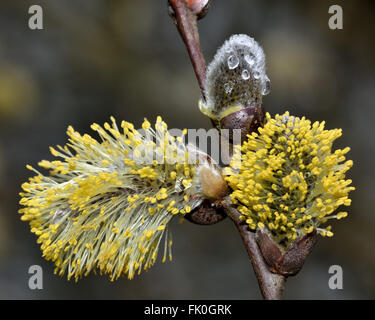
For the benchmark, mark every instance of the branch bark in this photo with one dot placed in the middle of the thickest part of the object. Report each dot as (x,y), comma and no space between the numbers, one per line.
(186,22)
(271,284)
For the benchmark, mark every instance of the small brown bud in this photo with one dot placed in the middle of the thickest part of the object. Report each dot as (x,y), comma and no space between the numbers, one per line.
(199,7)
(292,260)
(289,262)
(271,251)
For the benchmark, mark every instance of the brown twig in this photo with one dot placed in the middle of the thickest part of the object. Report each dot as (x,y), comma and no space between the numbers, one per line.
(186,22)
(271,284)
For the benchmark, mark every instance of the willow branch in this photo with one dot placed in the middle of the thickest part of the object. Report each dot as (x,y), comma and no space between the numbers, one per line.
(186,22)
(271,284)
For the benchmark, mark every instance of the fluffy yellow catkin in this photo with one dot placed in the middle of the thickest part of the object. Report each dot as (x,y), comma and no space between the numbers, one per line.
(288,179)
(100,208)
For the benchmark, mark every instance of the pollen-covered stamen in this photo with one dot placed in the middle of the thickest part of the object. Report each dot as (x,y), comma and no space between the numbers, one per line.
(107,204)
(287,179)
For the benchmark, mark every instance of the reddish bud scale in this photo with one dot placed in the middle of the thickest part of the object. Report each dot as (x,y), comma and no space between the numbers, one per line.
(286,263)
(206,214)
(248,120)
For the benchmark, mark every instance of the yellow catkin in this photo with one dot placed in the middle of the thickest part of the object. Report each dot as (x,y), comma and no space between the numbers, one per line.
(101,207)
(288,179)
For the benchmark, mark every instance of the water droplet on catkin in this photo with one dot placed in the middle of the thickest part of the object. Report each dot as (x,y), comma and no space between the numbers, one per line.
(245,74)
(266,86)
(233,62)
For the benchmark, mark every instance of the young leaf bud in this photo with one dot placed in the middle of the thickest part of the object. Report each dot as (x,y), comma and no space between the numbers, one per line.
(212,183)
(208,180)
(209,184)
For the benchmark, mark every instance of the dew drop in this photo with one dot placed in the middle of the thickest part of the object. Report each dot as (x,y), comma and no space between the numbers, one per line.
(249,60)
(245,74)
(285,119)
(233,62)
(266,86)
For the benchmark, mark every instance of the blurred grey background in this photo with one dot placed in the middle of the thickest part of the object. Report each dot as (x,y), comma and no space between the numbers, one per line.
(97,58)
